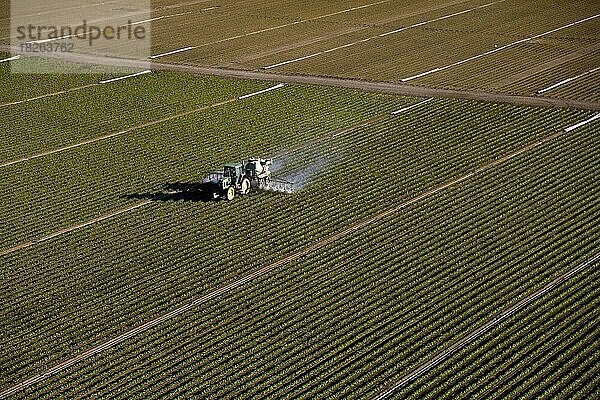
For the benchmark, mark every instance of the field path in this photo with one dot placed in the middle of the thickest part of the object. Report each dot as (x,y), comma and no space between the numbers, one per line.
(223,290)
(395,88)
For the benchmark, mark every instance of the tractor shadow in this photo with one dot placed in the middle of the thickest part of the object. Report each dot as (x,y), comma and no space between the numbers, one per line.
(178,191)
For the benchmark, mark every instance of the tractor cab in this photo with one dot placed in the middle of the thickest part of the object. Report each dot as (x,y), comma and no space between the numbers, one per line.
(232,174)
(232,170)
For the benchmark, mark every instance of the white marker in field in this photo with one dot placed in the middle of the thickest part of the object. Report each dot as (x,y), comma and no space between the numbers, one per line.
(591,71)
(379,36)
(582,123)
(497,49)
(404,109)
(11,58)
(147,71)
(294,23)
(173,52)
(262,91)
(159,18)
(57,38)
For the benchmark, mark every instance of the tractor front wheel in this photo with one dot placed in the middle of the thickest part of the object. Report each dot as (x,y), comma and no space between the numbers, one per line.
(230,194)
(245,186)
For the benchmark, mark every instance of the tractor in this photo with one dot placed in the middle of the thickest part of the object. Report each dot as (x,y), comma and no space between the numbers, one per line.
(240,178)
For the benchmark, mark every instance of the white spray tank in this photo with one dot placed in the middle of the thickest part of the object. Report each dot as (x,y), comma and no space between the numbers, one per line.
(259,168)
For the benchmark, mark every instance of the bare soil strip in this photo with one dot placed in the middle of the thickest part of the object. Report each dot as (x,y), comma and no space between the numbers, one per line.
(368,86)
(393,88)
(258,273)
(486,326)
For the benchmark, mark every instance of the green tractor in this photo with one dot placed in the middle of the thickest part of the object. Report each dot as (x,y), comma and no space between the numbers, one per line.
(240,178)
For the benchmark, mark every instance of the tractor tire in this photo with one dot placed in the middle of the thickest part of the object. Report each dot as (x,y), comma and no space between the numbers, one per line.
(230,193)
(245,186)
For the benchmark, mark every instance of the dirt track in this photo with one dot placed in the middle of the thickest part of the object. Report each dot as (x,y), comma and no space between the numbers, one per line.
(369,86)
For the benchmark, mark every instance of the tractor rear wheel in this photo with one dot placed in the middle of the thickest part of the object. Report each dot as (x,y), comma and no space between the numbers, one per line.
(245,186)
(230,194)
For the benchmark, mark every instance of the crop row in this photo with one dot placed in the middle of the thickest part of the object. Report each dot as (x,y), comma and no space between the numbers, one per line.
(20,86)
(530,350)
(161,244)
(390,58)
(490,72)
(380,138)
(580,88)
(51,193)
(237,20)
(73,117)
(55,191)
(426,48)
(383,295)
(257,44)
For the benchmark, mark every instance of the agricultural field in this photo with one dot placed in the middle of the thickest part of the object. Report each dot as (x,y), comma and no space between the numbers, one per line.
(561,332)
(431,246)
(502,46)
(271,352)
